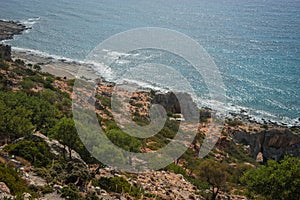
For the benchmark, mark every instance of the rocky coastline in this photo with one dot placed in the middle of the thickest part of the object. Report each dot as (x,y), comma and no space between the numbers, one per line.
(10,28)
(265,140)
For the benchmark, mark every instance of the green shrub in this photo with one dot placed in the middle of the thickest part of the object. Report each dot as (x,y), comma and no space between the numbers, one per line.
(3,65)
(70,192)
(176,169)
(37,67)
(38,153)
(276,180)
(71,82)
(12,179)
(20,62)
(201,185)
(27,84)
(105,101)
(119,185)
(265,126)
(234,122)
(121,139)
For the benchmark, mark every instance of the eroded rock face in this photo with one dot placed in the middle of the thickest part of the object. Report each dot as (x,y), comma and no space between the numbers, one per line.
(273,144)
(178,103)
(169,101)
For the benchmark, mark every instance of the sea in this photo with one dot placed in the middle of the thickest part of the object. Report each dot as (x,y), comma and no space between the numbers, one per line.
(255,44)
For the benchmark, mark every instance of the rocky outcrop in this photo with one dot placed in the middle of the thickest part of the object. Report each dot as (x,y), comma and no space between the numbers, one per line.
(169,101)
(272,144)
(178,103)
(9,28)
(160,184)
(5,52)
(4,191)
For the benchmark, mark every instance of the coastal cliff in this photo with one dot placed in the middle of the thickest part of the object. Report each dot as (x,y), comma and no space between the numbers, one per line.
(272,144)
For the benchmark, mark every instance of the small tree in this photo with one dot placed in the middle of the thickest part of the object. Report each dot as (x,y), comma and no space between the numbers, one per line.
(276,180)
(37,67)
(215,174)
(65,132)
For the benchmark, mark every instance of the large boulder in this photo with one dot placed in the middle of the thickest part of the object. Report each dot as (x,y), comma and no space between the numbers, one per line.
(4,191)
(178,103)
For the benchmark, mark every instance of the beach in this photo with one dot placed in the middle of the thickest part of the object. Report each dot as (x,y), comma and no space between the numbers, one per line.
(57,67)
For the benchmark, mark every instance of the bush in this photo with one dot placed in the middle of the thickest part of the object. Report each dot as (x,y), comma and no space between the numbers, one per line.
(37,67)
(70,192)
(276,180)
(38,153)
(19,62)
(3,65)
(71,82)
(123,140)
(27,84)
(176,169)
(234,122)
(11,178)
(119,185)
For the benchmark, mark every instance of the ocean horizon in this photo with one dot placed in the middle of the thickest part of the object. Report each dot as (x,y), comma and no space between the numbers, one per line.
(255,44)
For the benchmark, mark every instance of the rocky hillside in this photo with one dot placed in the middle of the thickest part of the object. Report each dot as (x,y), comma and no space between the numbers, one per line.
(42,157)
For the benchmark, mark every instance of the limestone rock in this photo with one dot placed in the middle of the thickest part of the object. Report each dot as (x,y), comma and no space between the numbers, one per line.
(273,143)
(178,103)
(259,157)
(4,191)
(4,188)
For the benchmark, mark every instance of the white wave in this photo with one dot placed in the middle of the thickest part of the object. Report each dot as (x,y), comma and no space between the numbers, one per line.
(44,54)
(100,69)
(29,23)
(260,116)
(144,85)
(277,104)
(115,55)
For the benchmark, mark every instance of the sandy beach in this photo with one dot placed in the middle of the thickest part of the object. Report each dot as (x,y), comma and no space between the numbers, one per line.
(57,67)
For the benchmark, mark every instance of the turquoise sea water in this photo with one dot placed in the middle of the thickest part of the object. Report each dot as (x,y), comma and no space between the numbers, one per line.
(255,43)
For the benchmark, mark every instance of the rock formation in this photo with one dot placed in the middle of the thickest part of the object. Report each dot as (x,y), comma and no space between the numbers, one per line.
(4,191)
(5,52)
(272,144)
(9,28)
(178,103)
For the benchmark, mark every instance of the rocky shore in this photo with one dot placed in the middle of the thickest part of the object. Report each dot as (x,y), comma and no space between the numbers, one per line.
(9,28)
(265,141)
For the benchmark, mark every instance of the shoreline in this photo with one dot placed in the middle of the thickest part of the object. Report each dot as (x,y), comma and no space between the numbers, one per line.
(63,67)
(68,68)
